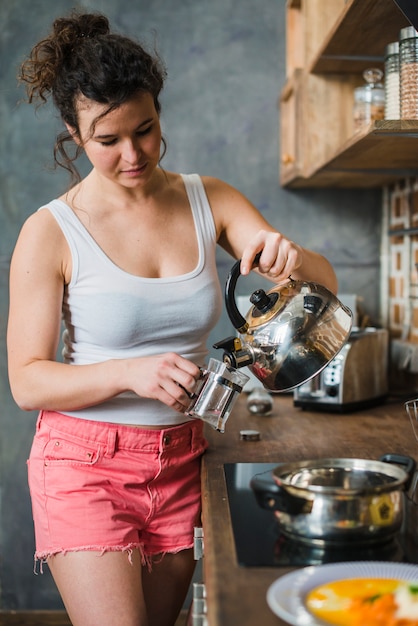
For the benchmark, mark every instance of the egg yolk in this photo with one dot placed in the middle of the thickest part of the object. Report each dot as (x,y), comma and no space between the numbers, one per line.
(352,601)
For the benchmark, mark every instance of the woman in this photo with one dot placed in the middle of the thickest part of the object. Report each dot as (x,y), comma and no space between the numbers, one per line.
(126,258)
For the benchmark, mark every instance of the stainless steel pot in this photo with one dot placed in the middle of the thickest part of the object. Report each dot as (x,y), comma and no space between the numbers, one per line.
(289,335)
(330,501)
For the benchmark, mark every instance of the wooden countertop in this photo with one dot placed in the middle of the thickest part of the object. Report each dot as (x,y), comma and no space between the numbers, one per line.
(235,594)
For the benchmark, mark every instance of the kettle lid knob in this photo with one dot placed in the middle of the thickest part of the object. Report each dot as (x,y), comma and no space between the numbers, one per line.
(263,301)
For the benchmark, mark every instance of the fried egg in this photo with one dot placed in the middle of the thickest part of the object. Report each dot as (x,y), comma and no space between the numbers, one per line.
(332,602)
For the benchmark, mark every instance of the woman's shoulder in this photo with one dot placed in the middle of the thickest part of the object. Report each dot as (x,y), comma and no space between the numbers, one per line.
(210,182)
(220,193)
(176,181)
(42,218)
(40,230)
(223,195)
(41,246)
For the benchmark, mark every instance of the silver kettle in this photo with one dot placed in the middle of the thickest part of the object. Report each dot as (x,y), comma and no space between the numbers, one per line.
(289,334)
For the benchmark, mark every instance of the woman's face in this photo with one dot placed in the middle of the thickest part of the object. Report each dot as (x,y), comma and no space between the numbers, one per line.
(123,146)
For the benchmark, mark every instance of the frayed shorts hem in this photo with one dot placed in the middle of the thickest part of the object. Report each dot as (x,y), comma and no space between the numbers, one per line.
(146,559)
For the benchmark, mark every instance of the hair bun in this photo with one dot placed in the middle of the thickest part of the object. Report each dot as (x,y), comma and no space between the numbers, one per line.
(49,57)
(78,25)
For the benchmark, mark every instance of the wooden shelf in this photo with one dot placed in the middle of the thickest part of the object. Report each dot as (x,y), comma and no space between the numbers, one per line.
(359,37)
(318,147)
(379,155)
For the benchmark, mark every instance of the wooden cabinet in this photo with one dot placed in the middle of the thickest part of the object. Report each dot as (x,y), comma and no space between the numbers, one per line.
(329,44)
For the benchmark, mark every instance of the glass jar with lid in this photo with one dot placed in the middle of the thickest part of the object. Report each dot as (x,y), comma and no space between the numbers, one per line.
(392,100)
(369,99)
(260,402)
(408,62)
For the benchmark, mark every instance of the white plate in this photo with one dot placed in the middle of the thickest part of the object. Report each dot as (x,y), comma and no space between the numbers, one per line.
(286,596)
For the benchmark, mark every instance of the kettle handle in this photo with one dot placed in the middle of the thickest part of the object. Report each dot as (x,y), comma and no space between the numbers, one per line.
(238,321)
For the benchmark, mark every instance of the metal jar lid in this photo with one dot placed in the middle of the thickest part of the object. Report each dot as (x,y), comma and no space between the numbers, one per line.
(249,435)
(392,48)
(408,33)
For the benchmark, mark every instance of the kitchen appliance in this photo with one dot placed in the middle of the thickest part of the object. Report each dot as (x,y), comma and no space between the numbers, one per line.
(259,541)
(289,335)
(356,378)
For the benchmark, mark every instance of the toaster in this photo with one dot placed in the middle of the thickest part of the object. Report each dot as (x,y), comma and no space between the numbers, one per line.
(356,378)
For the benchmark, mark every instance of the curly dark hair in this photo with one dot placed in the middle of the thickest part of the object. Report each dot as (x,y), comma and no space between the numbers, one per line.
(81,57)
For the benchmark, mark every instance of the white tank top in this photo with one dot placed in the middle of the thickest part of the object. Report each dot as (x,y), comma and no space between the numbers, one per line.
(111,314)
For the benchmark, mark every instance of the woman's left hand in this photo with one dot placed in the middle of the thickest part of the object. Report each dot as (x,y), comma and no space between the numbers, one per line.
(279,256)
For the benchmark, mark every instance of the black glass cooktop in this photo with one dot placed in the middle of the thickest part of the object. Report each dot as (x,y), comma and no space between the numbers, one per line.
(259,543)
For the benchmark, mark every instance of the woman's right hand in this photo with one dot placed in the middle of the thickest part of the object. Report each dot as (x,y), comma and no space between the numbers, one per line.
(166,377)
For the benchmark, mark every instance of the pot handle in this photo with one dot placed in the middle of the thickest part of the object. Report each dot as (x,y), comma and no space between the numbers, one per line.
(405,462)
(238,321)
(271,496)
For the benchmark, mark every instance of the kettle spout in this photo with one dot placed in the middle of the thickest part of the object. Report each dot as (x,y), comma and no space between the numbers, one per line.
(234,352)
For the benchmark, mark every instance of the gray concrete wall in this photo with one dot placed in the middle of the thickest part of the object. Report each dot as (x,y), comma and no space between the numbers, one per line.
(226,65)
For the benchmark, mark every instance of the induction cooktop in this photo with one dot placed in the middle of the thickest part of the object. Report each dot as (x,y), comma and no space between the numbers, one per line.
(259,542)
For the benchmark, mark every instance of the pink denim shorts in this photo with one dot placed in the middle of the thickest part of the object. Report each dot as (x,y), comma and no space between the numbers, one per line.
(99,486)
